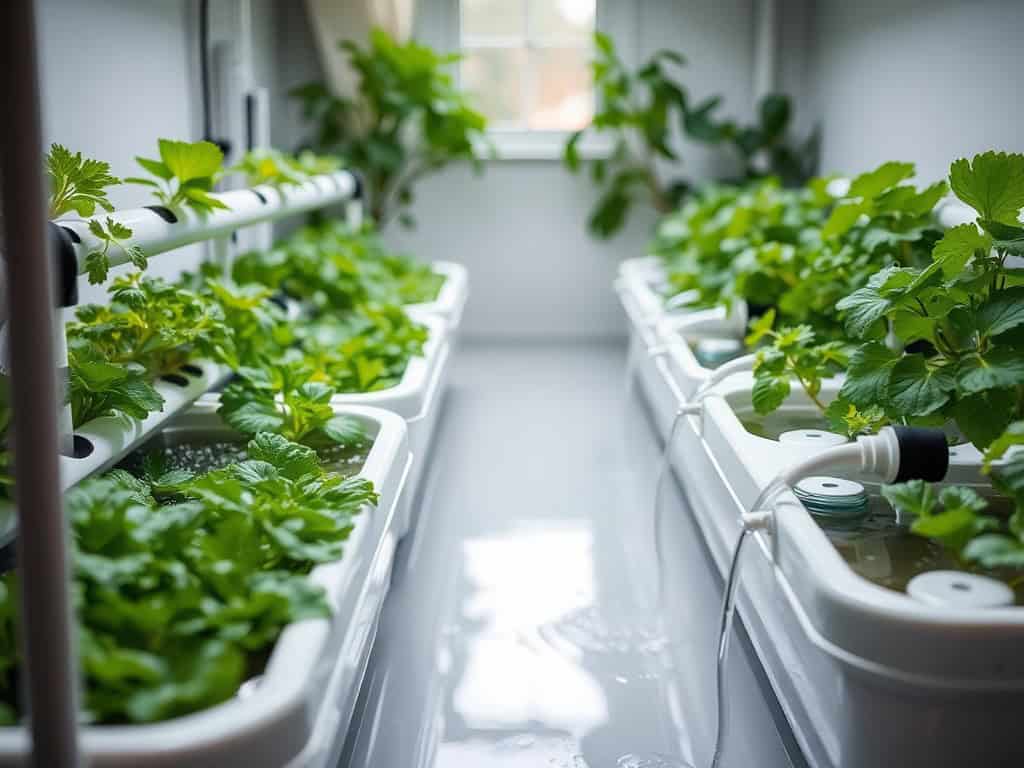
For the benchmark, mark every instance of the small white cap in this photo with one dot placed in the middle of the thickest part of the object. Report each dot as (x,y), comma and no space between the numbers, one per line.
(955,589)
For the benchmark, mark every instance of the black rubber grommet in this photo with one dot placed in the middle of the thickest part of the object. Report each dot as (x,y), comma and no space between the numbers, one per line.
(66,264)
(260,196)
(72,234)
(756,310)
(164,213)
(924,454)
(192,370)
(175,378)
(357,193)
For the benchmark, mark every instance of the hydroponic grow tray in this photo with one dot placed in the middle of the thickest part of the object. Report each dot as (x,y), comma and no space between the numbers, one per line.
(297,712)
(867,676)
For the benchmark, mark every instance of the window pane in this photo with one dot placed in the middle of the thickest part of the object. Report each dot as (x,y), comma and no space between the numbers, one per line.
(489,18)
(563,97)
(567,21)
(494,79)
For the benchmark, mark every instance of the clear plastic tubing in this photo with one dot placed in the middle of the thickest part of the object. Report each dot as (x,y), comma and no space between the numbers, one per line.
(728,614)
(663,471)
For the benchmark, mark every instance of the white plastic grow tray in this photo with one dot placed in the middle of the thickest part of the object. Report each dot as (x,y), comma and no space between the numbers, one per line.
(867,676)
(297,713)
(109,438)
(451,300)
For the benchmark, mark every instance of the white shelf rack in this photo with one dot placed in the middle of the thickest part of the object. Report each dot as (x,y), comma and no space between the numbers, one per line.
(47,631)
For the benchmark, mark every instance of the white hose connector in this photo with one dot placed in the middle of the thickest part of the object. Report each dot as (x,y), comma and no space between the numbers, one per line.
(724,371)
(682,299)
(875,457)
(716,320)
(758,520)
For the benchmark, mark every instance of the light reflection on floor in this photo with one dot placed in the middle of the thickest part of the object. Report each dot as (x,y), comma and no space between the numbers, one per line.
(511,677)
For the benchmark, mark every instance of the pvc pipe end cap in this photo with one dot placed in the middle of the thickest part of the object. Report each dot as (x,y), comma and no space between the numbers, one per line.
(818,437)
(955,589)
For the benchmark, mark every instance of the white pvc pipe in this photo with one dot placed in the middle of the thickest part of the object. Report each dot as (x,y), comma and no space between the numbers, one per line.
(246,207)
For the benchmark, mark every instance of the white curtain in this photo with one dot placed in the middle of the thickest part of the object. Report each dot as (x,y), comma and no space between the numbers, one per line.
(334,20)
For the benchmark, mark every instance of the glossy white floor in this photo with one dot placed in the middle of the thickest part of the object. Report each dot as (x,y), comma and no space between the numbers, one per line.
(524,628)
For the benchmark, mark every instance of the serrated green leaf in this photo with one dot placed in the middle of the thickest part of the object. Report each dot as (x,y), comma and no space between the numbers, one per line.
(291,459)
(993,550)
(1000,368)
(982,417)
(917,388)
(867,379)
(769,392)
(863,311)
(873,183)
(254,417)
(914,497)
(843,218)
(345,430)
(191,160)
(992,183)
(957,246)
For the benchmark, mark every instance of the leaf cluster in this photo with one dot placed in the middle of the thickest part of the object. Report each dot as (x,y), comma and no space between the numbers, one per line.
(284,399)
(276,168)
(334,266)
(962,521)
(641,111)
(944,341)
(184,175)
(77,183)
(183,583)
(797,250)
(790,353)
(407,120)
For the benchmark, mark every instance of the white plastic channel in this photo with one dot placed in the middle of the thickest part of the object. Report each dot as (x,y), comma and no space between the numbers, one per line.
(315,668)
(154,235)
(820,628)
(111,437)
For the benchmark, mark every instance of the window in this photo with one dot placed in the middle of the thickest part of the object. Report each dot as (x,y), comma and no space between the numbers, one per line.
(527,64)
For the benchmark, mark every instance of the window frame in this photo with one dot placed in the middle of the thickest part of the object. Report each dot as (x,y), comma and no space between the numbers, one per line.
(614,17)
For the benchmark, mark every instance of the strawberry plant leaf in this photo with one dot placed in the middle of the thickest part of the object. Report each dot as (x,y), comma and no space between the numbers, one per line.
(992,183)
(918,389)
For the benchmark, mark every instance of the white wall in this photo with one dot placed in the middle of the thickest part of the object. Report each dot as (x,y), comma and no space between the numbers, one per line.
(520,228)
(920,80)
(116,75)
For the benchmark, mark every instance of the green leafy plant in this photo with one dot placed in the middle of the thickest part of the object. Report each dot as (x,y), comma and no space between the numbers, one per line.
(956,516)
(285,400)
(332,265)
(637,110)
(155,325)
(77,183)
(80,184)
(790,353)
(268,166)
(364,350)
(182,584)
(100,388)
(184,175)
(407,120)
(763,148)
(798,250)
(110,233)
(277,168)
(943,342)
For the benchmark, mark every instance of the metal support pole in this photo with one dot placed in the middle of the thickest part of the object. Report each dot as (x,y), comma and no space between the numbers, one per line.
(47,631)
